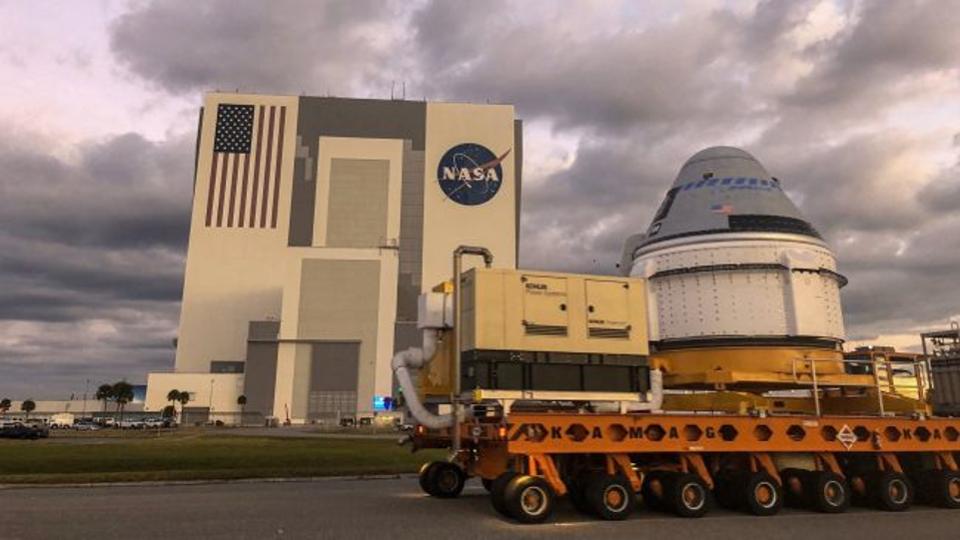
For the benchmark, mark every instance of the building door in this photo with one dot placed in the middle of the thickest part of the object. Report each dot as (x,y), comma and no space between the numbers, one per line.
(334,372)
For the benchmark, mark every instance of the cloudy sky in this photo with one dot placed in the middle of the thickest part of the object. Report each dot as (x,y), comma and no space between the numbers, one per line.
(855,106)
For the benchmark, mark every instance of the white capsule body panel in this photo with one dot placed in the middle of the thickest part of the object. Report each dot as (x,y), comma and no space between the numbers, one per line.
(741,285)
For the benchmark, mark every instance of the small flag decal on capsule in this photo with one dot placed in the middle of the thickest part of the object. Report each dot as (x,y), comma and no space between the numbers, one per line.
(725,209)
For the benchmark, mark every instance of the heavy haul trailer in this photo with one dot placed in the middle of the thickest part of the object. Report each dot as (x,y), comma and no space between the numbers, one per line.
(684,463)
(603,443)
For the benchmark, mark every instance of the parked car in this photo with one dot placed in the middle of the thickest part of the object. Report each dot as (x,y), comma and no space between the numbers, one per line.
(157,422)
(86,426)
(20,430)
(131,424)
(62,421)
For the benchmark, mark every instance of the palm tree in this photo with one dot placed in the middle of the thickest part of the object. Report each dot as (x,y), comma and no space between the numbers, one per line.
(173,397)
(5,405)
(105,394)
(122,393)
(28,406)
(184,399)
(242,402)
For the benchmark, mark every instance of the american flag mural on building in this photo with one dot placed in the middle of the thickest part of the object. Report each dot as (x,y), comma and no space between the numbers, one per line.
(243,187)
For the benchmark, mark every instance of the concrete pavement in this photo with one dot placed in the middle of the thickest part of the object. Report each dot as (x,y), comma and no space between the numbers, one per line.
(395,509)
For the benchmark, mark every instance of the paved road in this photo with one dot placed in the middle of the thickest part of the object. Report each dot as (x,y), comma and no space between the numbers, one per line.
(395,509)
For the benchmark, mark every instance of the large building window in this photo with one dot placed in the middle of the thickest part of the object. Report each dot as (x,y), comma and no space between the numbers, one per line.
(219,366)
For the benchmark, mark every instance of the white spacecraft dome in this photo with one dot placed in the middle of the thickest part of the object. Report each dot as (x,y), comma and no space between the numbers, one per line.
(729,258)
(724,189)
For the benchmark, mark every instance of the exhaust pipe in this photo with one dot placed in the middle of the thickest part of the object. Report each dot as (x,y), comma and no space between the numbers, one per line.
(414,358)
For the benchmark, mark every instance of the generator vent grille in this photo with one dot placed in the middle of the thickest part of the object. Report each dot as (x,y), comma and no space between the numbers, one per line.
(610,333)
(545,330)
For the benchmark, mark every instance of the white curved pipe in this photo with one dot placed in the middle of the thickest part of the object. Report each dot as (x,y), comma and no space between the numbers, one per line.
(414,358)
(656,394)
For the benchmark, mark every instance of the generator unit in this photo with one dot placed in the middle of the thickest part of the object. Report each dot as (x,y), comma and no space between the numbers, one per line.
(541,335)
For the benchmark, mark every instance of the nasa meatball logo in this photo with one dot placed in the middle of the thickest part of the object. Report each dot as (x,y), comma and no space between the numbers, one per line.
(470,174)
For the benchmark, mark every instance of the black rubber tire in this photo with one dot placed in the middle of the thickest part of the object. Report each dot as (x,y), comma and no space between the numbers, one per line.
(792,482)
(496,492)
(890,491)
(529,499)
(425,477)
(576,488)
(939,488)
(446,480)
(487,484)
(826,492)
(687,495)
(757,486)
(610,498)
(651,498)
(728,488)
(856,497)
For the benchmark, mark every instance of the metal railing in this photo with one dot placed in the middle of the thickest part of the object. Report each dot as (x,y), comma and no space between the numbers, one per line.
(905,378)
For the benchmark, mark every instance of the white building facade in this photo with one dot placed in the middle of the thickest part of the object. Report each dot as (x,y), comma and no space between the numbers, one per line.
(316,223)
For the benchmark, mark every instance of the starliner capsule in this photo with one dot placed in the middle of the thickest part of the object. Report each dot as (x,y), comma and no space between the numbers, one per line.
(743,291)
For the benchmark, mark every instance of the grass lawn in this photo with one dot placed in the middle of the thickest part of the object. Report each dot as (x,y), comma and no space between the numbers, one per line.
(198,456)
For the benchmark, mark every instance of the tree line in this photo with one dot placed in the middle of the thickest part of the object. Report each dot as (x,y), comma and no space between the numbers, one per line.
(27,406)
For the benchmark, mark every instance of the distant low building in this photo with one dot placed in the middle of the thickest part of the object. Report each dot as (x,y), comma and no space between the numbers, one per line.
(79,407)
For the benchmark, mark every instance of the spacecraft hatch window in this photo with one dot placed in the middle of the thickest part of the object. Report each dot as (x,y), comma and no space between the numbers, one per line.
(756,222)
(667,203)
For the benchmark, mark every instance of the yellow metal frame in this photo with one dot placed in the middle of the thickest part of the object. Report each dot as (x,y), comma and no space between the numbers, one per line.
(755,368)
(558,433)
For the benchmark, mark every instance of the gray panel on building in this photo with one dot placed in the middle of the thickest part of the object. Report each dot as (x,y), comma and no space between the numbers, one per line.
(339,117)
(339,302)
(518,181)
(358,206)
(334,373)
(261,377)
(225,366)
(411,249)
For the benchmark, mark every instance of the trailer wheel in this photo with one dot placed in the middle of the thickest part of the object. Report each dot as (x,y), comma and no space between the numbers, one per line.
(687,495)
(653,491)
(940,488)
(792,481)
(728,488)
(610,497)
(497,490)
(529,499)
(762,494)
(859,490)
(826,492)
(425,475)
(445,480)
(890,491)
(577,492)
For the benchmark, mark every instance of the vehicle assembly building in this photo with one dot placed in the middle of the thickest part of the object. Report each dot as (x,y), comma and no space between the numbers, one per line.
(317,222)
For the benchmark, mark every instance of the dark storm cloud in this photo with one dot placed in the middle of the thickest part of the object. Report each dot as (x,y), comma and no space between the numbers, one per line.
(281,47)
(648,98)
(868,183)
(92,258)
(892,41)
(93,246)
(577,219)
(608,81)
(122,192)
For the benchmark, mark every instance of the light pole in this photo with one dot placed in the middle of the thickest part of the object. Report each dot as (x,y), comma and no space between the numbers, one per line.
(86,390)
(210,407)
